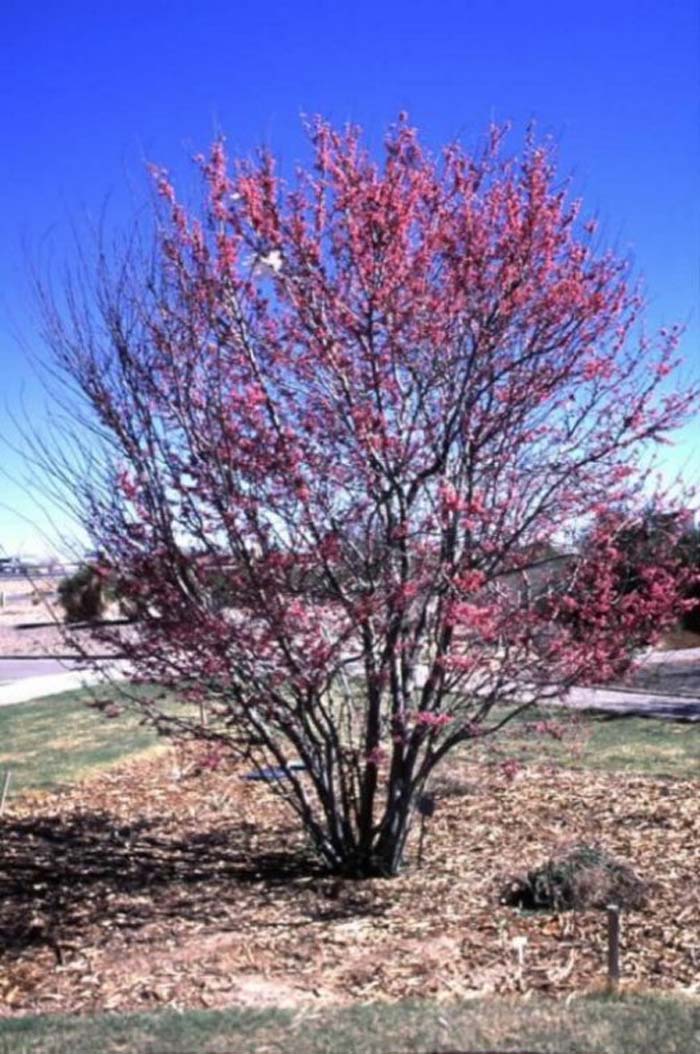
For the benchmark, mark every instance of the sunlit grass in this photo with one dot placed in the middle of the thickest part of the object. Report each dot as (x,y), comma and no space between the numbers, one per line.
(61,739)
(628,1025)
(649,746)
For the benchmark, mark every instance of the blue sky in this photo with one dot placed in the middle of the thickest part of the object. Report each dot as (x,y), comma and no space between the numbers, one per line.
(90,93)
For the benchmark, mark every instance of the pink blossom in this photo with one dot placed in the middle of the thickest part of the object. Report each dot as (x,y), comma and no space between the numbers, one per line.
(431,720)
(373,447)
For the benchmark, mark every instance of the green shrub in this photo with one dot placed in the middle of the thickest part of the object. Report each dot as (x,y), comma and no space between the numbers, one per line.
(82,595)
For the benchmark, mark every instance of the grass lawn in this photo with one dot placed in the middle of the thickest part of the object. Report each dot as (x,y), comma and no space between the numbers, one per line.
(60,740)
(604,742)
(638,744)
(630,1025)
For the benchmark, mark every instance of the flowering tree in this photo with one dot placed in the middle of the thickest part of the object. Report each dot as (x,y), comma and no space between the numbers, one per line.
(345,431)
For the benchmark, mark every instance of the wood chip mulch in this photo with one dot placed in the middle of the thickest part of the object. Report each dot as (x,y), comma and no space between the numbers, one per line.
(157,885)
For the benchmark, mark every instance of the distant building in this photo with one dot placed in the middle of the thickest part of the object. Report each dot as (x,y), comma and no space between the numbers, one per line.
(31,565)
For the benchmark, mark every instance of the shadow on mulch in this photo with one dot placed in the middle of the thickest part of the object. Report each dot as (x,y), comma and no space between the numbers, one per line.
(61,875)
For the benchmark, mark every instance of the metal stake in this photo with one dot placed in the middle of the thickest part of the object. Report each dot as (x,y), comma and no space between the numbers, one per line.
(426,808)
(5,789)
(613,947)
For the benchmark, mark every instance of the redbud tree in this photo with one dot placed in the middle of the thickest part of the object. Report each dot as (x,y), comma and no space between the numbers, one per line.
(344,429)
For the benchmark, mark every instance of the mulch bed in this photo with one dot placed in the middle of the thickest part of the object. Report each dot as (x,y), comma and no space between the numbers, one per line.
(156,884)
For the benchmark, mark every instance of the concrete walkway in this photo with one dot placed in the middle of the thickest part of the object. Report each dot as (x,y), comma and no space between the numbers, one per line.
(666,685)
(631,703)
(12,670)
(44,685)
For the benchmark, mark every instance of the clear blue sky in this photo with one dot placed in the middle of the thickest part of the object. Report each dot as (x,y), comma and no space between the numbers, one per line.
(91,91)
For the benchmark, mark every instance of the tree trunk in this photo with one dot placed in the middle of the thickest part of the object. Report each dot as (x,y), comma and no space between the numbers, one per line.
(380,855)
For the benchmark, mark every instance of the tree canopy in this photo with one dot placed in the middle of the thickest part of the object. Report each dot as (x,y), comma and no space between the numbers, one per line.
(346,427)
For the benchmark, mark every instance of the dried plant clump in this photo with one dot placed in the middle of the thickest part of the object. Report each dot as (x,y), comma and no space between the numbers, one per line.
(582,877)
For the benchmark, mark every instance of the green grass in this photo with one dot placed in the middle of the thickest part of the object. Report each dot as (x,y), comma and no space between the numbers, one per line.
(60,739)
(639,744)
(648,746)
(629,1025)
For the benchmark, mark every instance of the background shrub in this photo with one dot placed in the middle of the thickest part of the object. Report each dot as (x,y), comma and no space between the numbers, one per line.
(82,595)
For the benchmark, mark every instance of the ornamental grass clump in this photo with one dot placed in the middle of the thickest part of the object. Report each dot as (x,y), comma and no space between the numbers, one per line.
(582,877)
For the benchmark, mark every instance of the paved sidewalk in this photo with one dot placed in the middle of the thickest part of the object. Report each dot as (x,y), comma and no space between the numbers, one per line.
(623,701)
(46,685)
(645,697)
(12,670)
(675,673)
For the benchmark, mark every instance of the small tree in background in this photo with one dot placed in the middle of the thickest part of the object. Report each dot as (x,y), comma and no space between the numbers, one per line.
(656,537)
(689,556)
(627,557)
(372,408)
(82,595)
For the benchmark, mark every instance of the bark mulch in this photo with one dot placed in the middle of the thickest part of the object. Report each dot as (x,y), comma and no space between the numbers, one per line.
(157,884)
